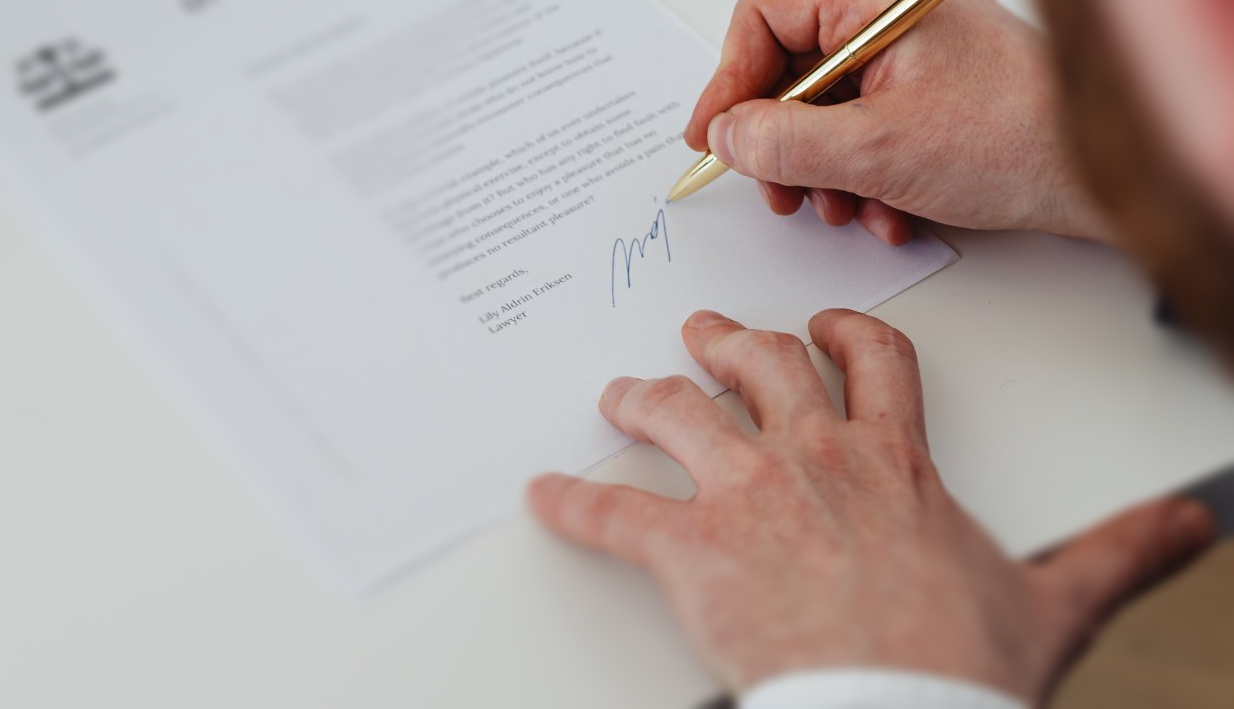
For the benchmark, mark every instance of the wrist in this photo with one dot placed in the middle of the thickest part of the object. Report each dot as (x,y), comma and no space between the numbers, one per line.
(1070,211)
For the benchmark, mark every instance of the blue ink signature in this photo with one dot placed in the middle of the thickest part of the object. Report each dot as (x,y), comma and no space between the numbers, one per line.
(659,228)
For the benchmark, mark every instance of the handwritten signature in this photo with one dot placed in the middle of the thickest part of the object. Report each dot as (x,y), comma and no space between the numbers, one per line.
(658,232)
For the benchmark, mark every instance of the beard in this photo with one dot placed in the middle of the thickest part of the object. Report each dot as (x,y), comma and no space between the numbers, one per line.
(1182,241)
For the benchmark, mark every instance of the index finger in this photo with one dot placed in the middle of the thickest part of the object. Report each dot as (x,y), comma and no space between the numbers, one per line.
(763,37)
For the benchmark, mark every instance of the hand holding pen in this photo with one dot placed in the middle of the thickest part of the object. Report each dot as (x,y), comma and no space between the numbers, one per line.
(899,141)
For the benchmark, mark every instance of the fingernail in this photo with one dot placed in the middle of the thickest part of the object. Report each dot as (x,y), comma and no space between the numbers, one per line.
(705,319)
(720,137)
(1192,523)
(618,387)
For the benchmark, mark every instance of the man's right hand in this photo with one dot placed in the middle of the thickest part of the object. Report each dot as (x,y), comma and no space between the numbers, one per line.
(956,122)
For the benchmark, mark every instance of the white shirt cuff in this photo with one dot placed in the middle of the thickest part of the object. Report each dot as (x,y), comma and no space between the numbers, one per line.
(873,689)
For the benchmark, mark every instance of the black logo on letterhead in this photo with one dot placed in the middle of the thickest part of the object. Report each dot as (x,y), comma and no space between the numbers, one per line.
(58,73)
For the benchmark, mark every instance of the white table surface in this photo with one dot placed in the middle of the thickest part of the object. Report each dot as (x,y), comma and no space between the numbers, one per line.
(136,572)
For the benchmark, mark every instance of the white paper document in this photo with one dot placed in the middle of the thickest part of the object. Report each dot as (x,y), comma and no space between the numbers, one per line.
(386,253)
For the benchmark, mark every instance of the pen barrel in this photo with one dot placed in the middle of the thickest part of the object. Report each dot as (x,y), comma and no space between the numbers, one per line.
(826,75)
(888,27)
(877,36)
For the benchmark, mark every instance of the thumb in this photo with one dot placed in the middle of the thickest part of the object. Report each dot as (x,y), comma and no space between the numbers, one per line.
(802,145)
(1092,577)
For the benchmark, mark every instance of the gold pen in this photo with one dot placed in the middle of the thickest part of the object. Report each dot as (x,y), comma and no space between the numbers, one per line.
(877,36)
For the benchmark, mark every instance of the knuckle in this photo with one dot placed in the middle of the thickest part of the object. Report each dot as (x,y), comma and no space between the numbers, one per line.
(733,74)
(659,392)
(615,533)
(601,516)
(894,456)
(748,469)
(745,349)
(765,138)
(824,454)
(892,341)
(904,444)
(752,341)
(600,507)
(585,511)
(763,469)
(909,455)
